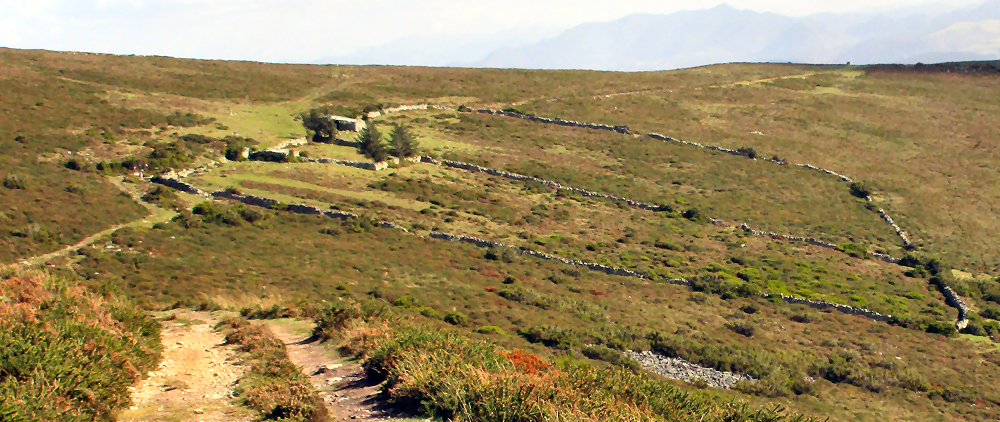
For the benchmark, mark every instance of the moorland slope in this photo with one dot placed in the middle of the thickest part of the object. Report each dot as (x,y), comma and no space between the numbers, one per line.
(581,242)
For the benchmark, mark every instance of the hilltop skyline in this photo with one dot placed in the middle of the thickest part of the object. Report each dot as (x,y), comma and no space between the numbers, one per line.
(289,32)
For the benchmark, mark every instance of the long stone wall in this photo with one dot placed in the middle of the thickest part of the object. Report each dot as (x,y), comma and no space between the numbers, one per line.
(606,269)
(885,216)
(816,304)
(366,165)
(555,185)
(294,208)
(955,301)
(620,129)
(179,185)
(625,130)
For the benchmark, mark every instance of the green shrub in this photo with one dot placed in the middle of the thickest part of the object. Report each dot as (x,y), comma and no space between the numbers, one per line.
(334,317)
(749,152)
(68,354)
(944,328)
(611,356)
(553,337)
(853,249)
(742,328)
(272,384)
(456,318)
(491,329)
(860,189)
(15,181)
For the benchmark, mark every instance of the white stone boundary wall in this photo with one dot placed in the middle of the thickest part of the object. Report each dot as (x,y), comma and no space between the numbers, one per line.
(954,300)
(899,231)
(555,185)
(625,130)
(885,216)
(620,129)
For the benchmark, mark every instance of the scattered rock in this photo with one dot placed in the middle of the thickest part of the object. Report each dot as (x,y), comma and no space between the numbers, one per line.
(683,370)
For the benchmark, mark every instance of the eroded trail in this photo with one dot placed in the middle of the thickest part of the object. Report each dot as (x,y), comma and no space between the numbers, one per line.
(341,383)
(195,380)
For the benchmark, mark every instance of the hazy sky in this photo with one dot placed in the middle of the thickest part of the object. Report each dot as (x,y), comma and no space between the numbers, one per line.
(305,30)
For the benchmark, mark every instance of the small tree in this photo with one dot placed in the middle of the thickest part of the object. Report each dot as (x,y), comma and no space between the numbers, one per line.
(323,128)
(402,142)
(371,145)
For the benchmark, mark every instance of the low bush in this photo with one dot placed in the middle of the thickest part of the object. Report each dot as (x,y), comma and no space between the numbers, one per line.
(15,181)
(443,375)
(272,385)
(611,356)
(68,354)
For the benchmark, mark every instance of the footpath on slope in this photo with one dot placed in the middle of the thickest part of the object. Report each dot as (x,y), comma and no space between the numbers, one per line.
(341,383)
(156,215)
(195,380)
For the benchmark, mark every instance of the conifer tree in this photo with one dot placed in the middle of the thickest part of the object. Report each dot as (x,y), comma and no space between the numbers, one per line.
(402,141)
(371,145)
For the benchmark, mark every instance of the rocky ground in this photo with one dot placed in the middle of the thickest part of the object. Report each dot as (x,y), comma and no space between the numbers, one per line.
(683,370)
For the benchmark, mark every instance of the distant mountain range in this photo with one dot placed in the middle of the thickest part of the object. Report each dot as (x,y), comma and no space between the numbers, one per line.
(720,35)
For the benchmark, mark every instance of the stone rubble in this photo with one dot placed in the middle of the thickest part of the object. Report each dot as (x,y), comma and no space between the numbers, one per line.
(681,369)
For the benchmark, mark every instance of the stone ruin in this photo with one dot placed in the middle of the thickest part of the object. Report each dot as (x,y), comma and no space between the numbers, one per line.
(348,124)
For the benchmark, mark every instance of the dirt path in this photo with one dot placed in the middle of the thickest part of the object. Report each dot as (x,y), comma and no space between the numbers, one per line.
(195,380)
(341,383)
(157,215)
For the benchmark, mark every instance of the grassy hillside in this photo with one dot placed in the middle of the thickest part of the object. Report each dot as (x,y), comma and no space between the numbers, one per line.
(919,141)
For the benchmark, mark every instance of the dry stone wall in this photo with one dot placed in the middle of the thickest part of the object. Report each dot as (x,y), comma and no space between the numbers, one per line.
(625,130)
(555,185)
(485,243)
(955,301)
(620,129)
(816,304)
(179,185)
(952,298)
(366,165)
(885,216)
(294,208)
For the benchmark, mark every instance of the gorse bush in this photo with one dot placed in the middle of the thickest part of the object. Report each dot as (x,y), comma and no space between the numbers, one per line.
(272,384)
(188,119)
(444,375)
(67,354)
(15,181)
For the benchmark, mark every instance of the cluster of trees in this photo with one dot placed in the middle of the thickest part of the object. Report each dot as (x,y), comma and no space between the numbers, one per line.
(401,142)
